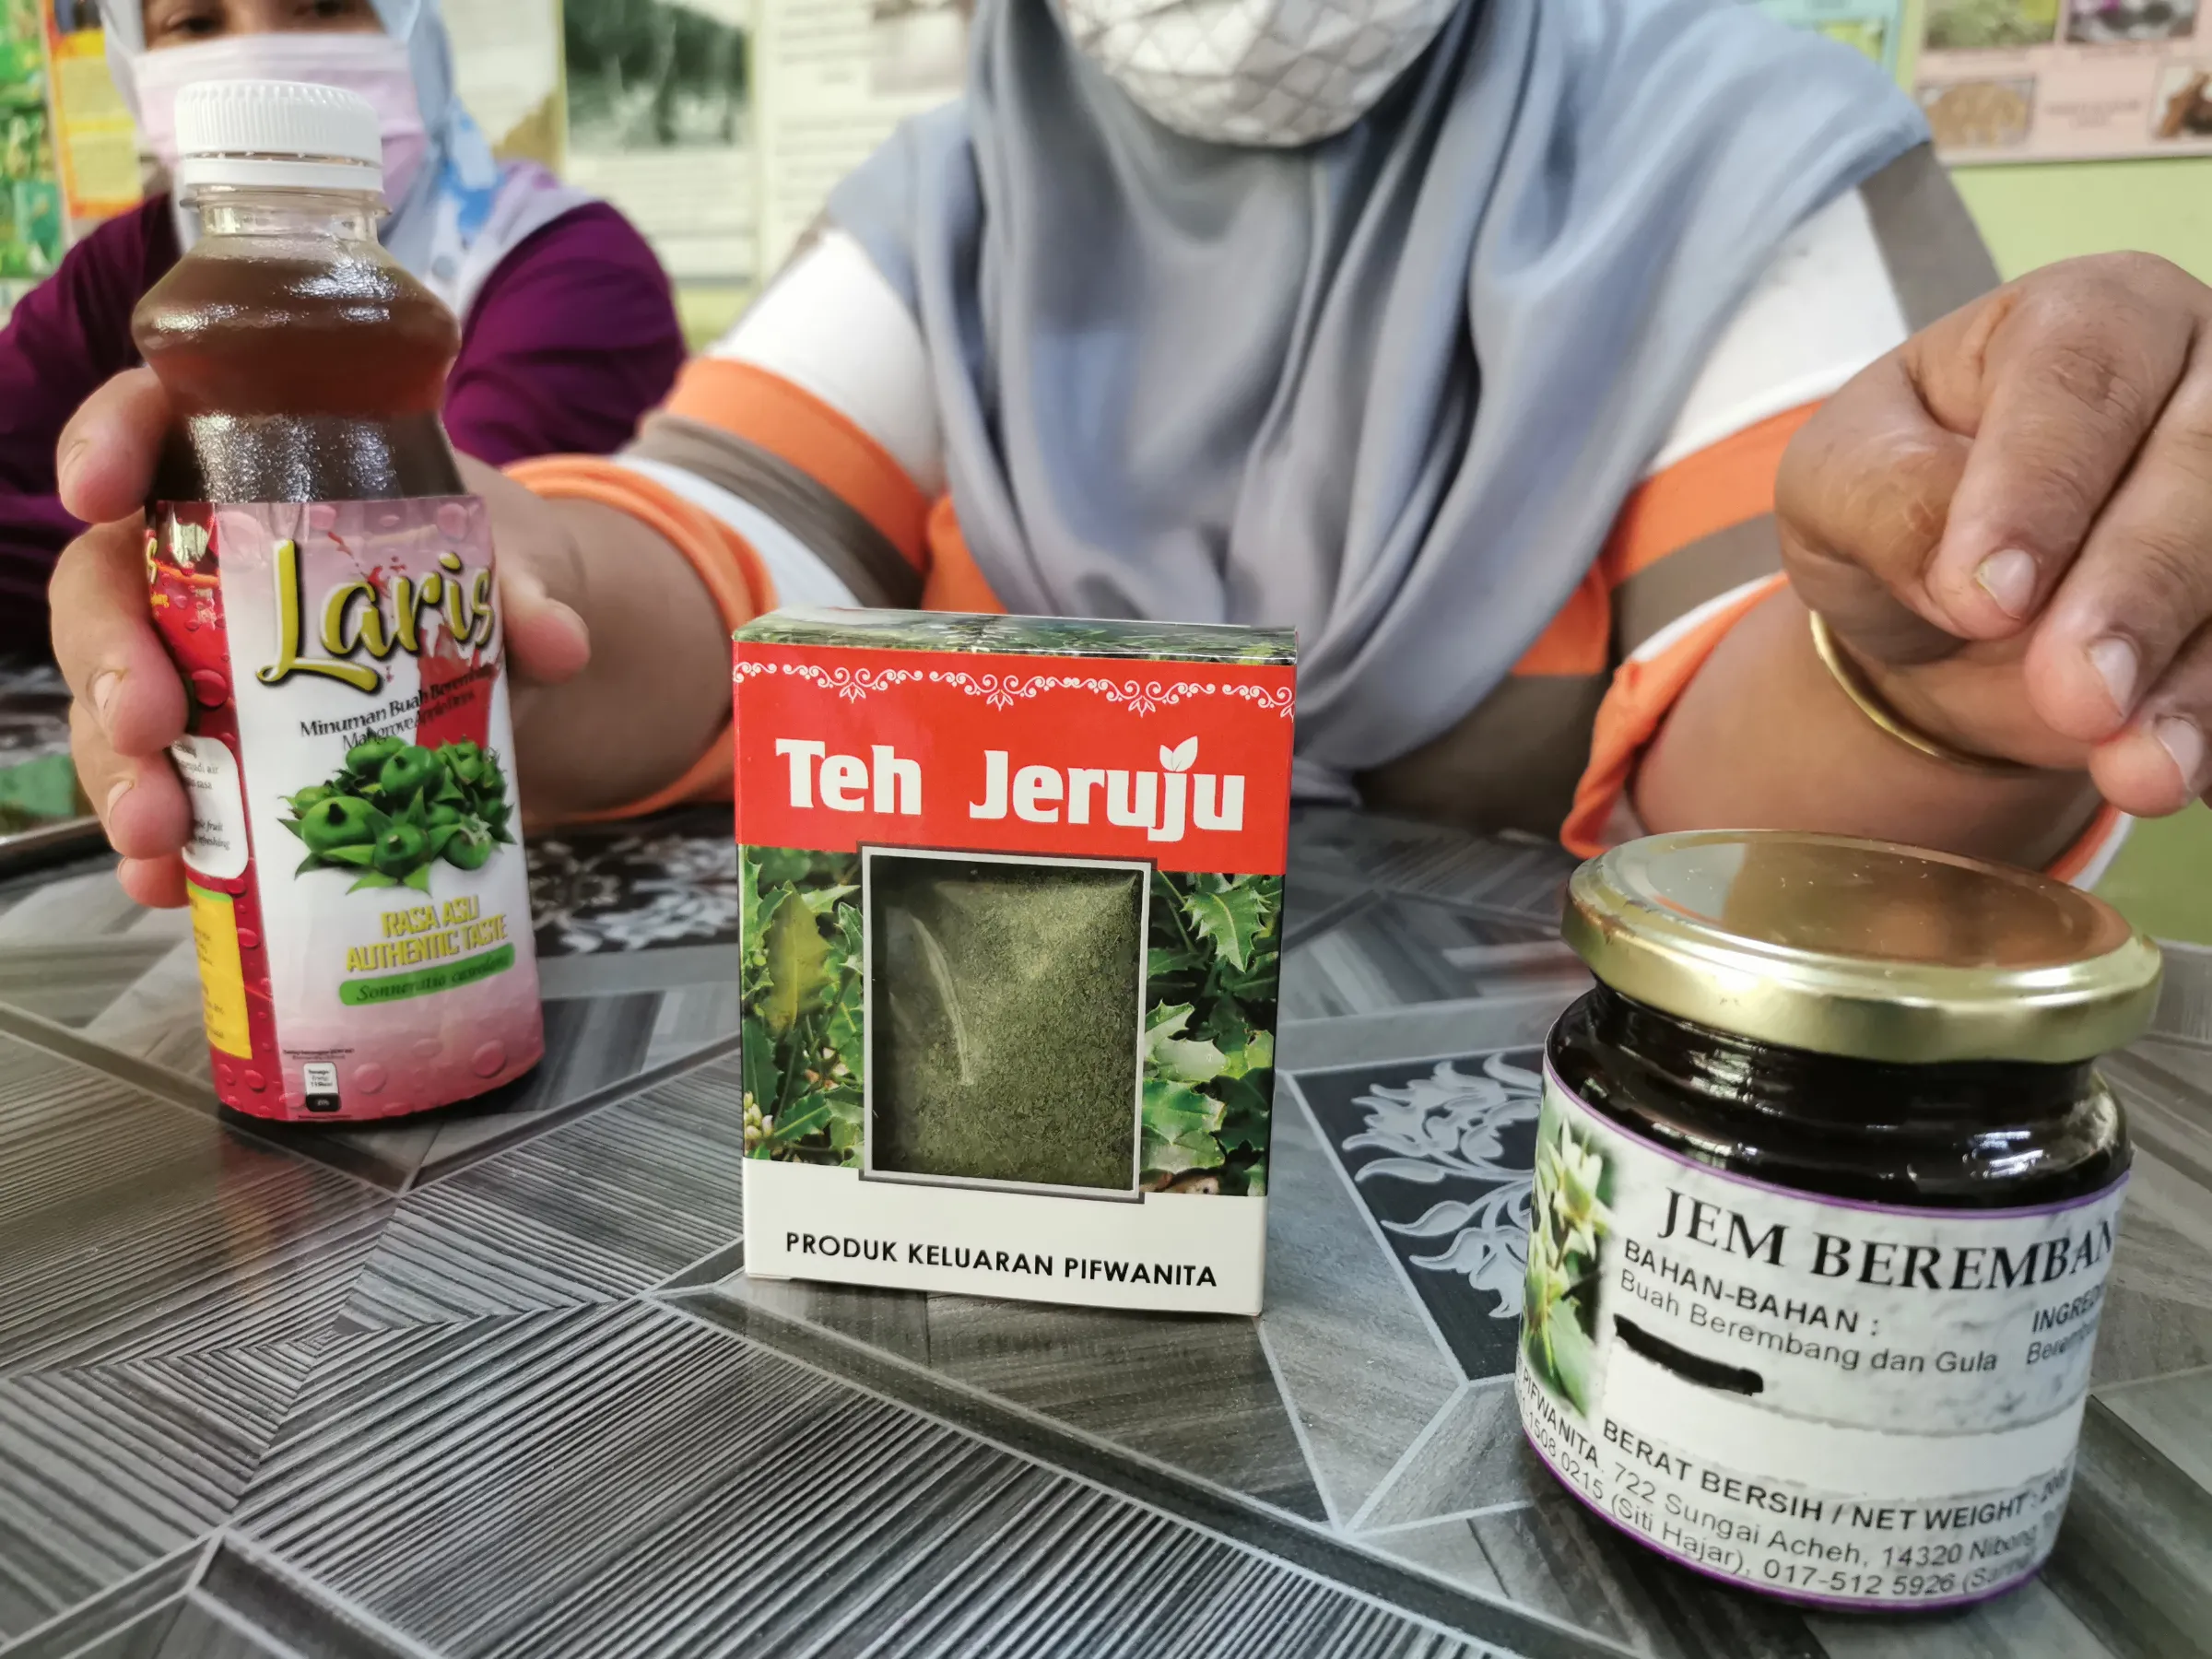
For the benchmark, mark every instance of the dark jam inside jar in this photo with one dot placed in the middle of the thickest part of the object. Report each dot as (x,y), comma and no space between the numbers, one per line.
(1825,1196)
(1980,1135)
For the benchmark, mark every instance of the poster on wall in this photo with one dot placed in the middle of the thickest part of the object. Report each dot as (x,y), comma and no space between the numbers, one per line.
(660,122)
(96,143)
(2058,80)
(1873,27)
(507,70)
(30,197)
(835,77)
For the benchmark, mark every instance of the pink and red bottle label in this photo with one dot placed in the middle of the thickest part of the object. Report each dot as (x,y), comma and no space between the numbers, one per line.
(360,898)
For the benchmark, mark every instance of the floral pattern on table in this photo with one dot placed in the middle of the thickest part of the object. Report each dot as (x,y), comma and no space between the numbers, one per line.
(1443,1157)
(666,881)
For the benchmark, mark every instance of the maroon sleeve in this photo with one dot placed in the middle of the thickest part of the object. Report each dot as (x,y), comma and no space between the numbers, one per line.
(569,344)
(62,339)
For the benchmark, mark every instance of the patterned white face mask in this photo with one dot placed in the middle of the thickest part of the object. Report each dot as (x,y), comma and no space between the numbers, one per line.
(1275,73)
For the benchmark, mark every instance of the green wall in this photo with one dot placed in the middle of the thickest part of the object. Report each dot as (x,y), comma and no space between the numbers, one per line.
(2034,215)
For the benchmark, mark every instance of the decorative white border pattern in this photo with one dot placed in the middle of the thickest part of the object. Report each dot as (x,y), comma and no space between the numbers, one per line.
(1002,690)
(851,683)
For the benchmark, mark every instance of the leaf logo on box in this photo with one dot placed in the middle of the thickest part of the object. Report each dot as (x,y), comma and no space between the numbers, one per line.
(1164,804)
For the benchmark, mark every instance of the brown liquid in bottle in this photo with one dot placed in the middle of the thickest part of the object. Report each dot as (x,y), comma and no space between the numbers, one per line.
(327,591)
(300,369)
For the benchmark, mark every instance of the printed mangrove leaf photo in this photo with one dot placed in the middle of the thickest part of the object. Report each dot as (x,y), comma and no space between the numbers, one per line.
(802,997)
(1209,1044)
(1205,1090)
(1569,1222)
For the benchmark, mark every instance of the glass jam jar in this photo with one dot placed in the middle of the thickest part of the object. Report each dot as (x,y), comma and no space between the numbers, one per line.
(1827,1188)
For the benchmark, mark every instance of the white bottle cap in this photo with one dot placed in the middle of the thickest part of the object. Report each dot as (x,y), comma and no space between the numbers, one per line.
(277,133)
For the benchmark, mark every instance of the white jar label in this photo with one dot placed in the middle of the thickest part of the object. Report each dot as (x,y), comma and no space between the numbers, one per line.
(1845,1403)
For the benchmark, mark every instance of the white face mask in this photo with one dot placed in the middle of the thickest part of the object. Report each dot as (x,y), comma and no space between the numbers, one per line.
(375,66)
(1260,72)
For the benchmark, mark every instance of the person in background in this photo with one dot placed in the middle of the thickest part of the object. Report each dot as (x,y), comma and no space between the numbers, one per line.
(1613,393)
(569,328)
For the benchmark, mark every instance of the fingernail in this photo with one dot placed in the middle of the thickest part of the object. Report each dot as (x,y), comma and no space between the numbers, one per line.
(2114,660)
(120,788)
(2182,740)
(68,463)
(2008,578)
(105,684)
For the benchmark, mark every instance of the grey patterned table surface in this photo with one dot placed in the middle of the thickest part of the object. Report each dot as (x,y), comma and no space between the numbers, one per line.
(494,1382)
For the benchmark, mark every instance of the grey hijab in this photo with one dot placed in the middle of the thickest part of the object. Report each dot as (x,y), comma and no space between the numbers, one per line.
(1391,388)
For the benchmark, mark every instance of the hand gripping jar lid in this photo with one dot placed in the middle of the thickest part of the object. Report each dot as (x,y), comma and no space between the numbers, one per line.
(1863,949)
(292,133)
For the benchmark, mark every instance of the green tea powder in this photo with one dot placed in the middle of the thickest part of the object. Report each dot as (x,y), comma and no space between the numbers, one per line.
(1005,1020)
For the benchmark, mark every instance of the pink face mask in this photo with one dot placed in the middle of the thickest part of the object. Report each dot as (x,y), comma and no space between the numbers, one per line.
(375,66)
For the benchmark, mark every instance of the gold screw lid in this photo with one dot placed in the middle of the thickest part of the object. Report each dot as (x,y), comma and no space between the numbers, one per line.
(1861,949)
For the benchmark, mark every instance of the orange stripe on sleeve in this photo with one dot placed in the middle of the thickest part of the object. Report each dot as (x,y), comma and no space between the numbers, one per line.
(2109,825)
(955,581)
(797,426)
(1724,483)
(1642,694)
(725,562)
(1581,637)
(1720,485)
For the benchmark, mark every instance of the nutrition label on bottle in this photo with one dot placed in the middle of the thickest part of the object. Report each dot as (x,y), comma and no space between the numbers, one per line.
(1847,1403)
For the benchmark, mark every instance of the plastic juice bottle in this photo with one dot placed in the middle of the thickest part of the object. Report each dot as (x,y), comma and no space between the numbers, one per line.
(359,896)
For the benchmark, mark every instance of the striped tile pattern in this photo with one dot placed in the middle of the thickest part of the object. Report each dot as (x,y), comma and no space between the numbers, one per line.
(2134,1557)
(594,1046)
(1391,952)
(74,983)
(54,908)
(481,1383)
(1510,875)
(558,1220)
(1359,1363)
(202,1629)
(129,1226)
(1551,1557)
(105,1469)
(1196,1394)
(622,1479)
(2185,1006)
(248,1598)
(129,1619)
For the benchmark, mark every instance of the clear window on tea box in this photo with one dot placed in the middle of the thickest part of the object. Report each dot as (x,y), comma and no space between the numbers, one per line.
(1005,1019)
